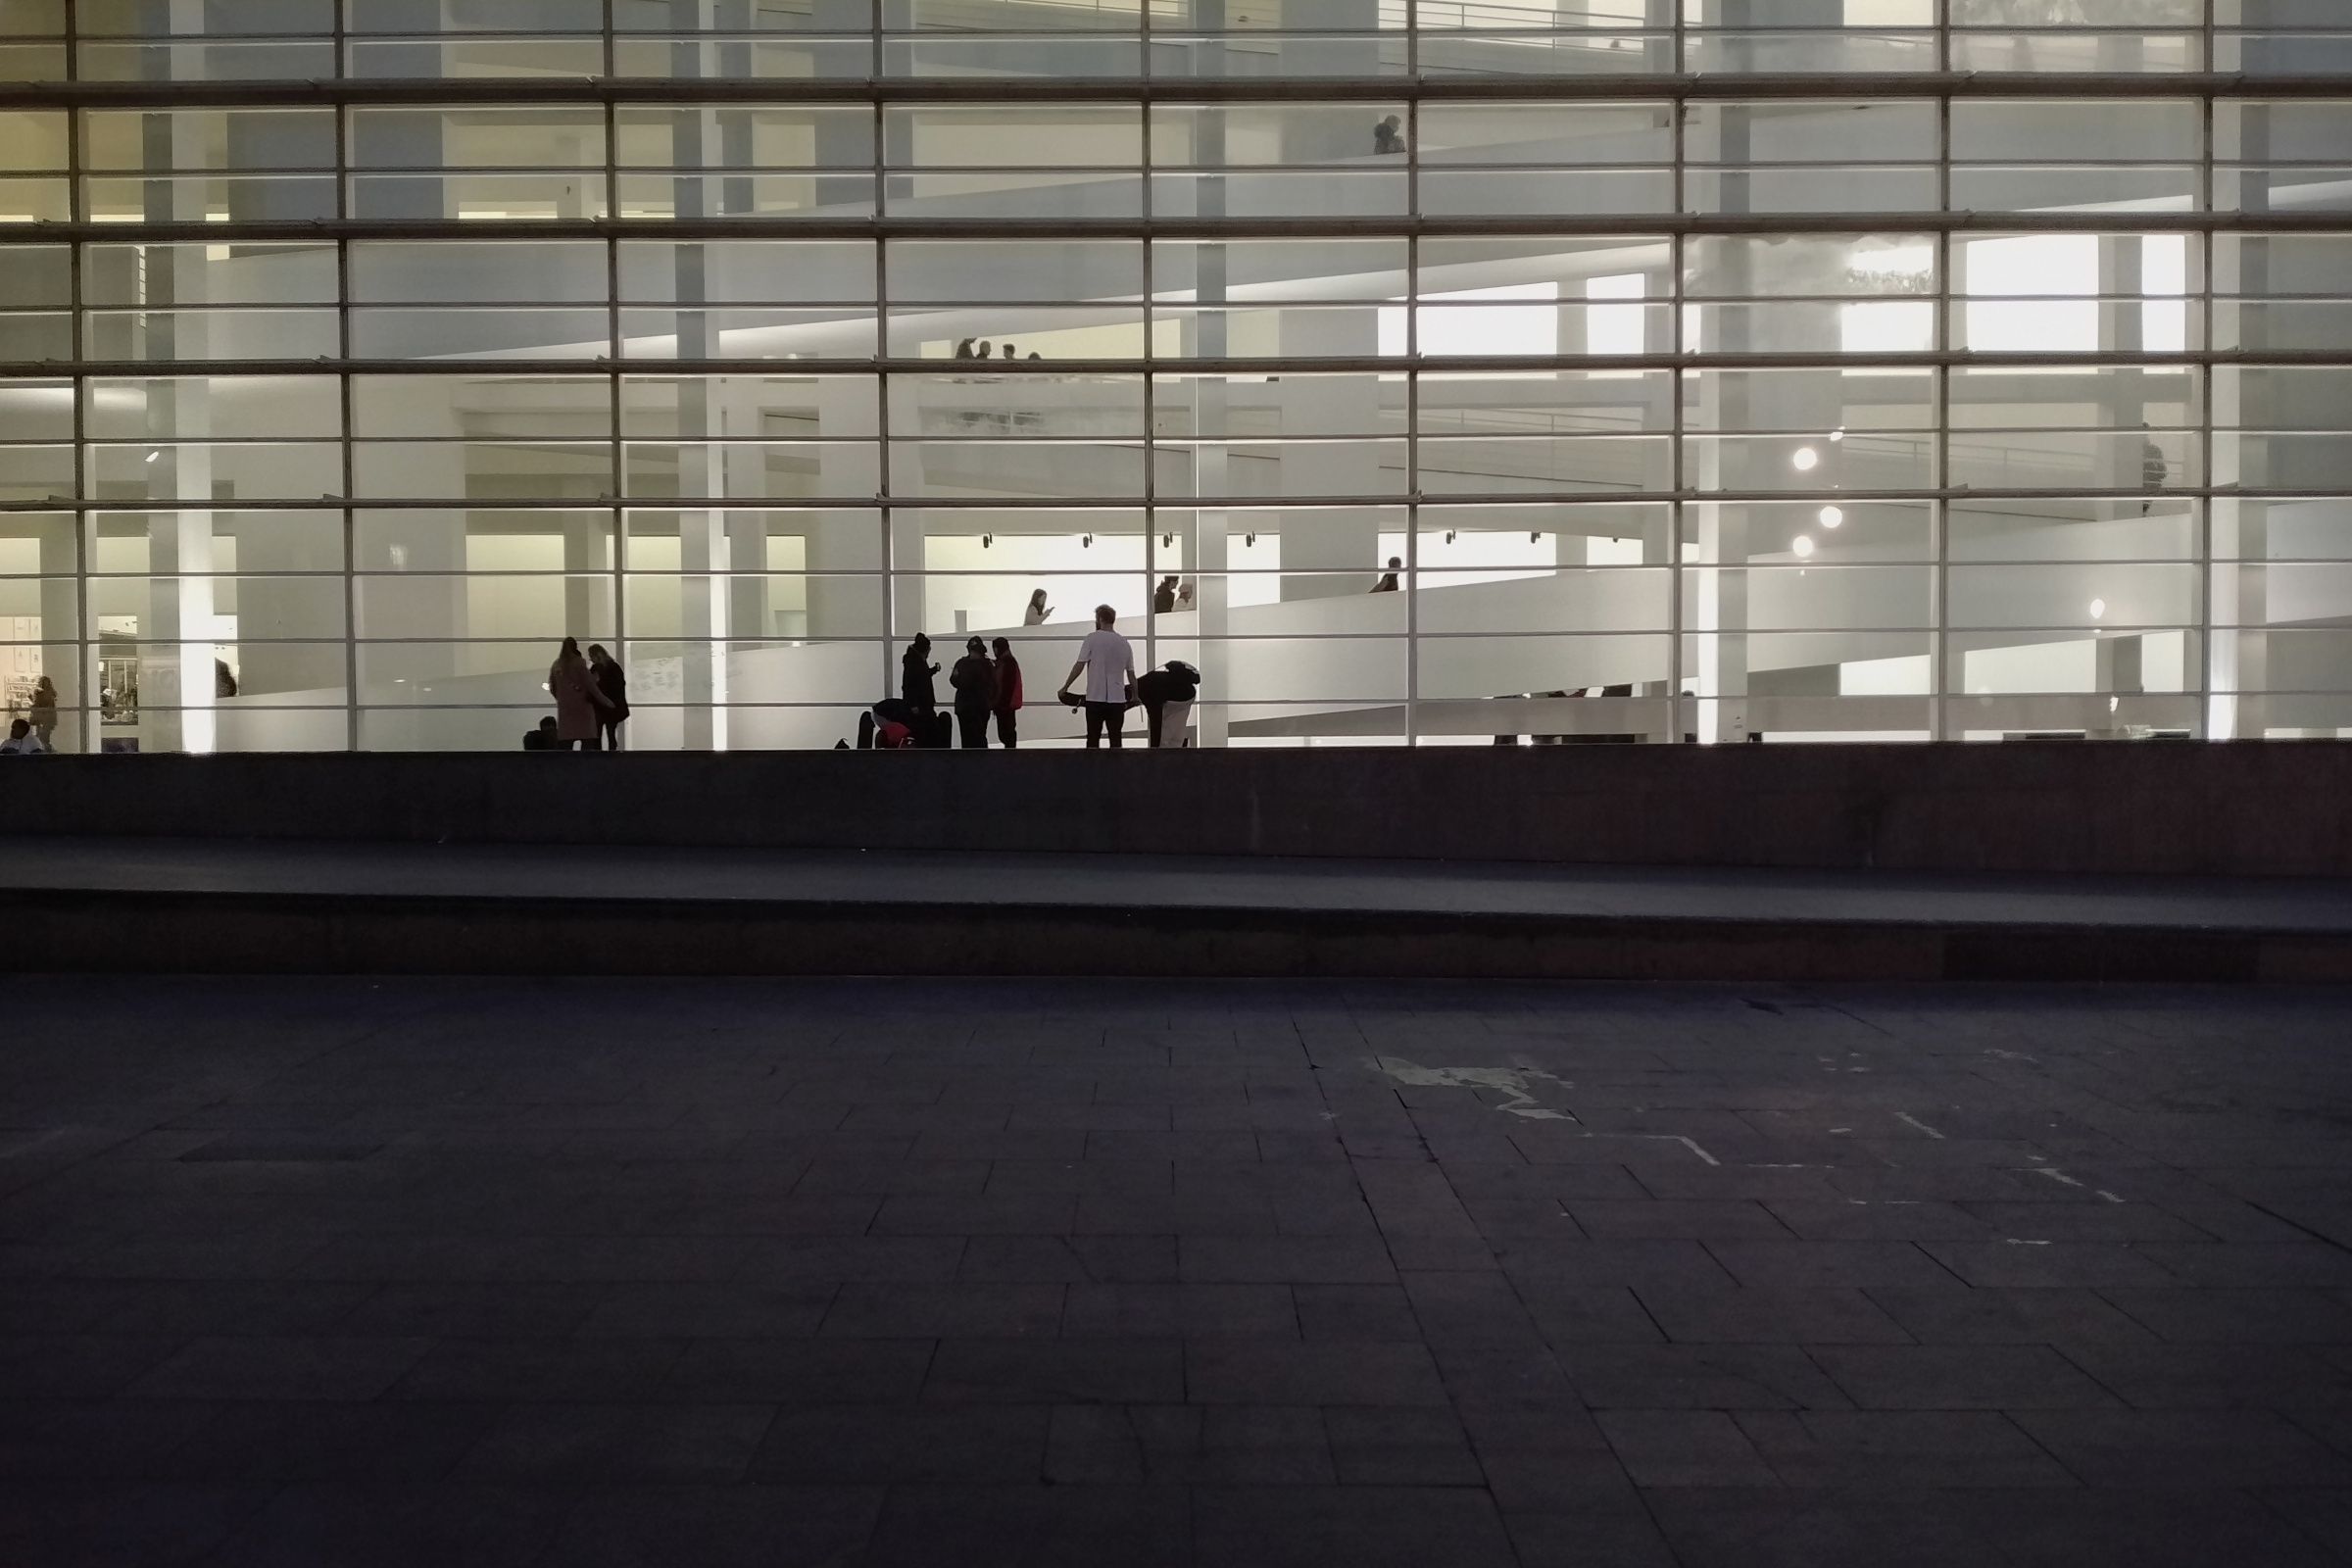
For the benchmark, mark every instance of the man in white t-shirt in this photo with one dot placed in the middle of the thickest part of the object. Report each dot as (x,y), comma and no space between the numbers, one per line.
(1109,667)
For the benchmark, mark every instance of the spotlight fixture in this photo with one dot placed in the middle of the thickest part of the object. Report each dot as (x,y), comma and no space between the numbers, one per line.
(2098,608)
(987,540)
(1803,544)
(1836,435)
(1449,536)
(1086,541)
(1167,541)
(1806,459)
(1533,534)
(1832,516)
(1249,541)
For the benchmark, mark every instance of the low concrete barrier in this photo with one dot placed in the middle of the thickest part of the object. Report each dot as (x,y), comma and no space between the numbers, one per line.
(2276,808)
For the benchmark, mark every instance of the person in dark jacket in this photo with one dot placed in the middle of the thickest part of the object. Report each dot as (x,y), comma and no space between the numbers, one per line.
(1167,698)
(1008,695)
(915,670)
(975,681)
(542,739)
(613,682)
(1163,597)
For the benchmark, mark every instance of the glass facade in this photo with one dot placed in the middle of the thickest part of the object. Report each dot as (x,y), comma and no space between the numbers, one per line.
(1425,371)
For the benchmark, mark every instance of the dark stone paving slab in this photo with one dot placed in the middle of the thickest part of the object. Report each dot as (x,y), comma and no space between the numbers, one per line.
(853,1275)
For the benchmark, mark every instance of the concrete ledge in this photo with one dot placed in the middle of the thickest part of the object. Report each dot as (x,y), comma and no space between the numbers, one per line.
(2262,808)
(90,932)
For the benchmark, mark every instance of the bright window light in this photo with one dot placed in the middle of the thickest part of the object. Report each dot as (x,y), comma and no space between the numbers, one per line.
(1483,329)
(2164,281)
(2031,264)
(1616,328)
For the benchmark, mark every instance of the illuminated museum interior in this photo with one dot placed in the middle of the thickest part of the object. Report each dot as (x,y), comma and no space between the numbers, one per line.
(349,360)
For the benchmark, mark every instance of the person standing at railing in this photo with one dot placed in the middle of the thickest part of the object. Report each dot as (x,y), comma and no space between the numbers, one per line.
(1387,137)
(2154,469)
(1387,582)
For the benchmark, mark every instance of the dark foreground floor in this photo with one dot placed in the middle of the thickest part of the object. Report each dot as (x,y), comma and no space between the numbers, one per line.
(932,1274)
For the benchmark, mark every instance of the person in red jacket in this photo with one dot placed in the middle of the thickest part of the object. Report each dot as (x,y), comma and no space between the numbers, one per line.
(1009,693)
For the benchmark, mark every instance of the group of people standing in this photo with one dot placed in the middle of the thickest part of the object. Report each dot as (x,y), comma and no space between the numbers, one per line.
(986,684)
(592,702)
(985,687)
(980,349)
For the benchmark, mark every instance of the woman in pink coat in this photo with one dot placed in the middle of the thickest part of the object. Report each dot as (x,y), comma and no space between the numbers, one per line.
(577,700)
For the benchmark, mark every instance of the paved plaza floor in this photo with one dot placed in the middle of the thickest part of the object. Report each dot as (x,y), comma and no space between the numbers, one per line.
(922,1274)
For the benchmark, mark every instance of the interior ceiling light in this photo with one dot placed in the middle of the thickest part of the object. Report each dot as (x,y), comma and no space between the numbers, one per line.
(1803,544)
(1806,459)
(1832,516)
(1836,435)
(2098,608)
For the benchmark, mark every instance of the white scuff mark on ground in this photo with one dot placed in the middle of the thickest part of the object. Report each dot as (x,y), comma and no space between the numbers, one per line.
(2110,1197)
(1513,1081)
(2020,1241)
(1909,1120)
(2053,1173)
(1687,1143)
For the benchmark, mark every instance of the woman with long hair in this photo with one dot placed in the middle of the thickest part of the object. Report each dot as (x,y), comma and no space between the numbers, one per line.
(578,702)
(1038,611)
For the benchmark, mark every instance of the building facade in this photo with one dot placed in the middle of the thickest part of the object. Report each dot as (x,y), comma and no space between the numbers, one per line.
(1424,372)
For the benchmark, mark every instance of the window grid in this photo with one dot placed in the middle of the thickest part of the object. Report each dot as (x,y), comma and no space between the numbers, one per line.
(1412,371)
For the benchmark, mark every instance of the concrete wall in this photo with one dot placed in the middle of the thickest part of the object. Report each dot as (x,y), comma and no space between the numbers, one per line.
(2276,808)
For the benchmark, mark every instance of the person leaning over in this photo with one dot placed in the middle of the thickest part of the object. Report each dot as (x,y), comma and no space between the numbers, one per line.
(1167,698)
(1008,694)
(975,682)
(1108,665)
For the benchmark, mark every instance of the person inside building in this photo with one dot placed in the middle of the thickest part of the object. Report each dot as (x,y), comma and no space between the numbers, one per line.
(1010,353)
(1008,694)
(915,670)
(224,679)
(43,713)
(2154,469)
(543,737)
(21,741)
(1388,582)
(1168,696)
(1163,597)
(1039,612)
(974,679)
(613,682)
(1388,135)
(1107,663)
(578,702)
(963,348)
